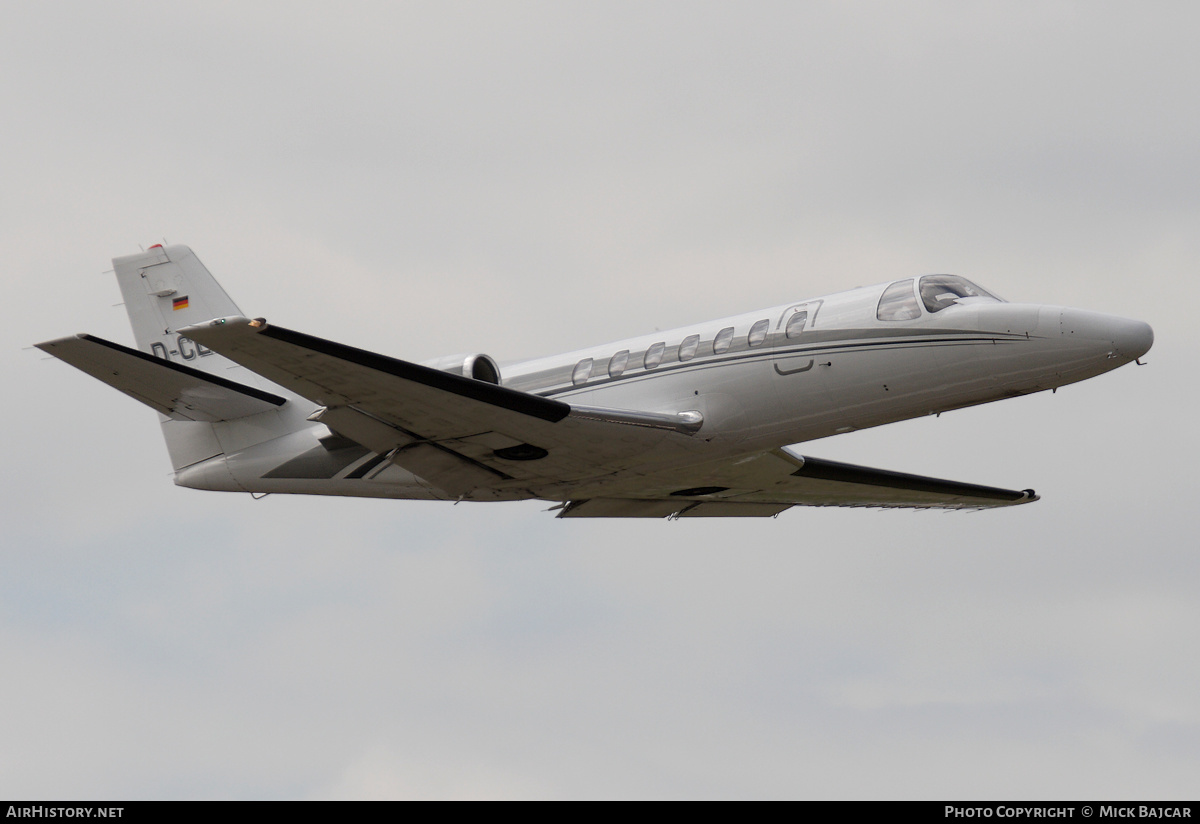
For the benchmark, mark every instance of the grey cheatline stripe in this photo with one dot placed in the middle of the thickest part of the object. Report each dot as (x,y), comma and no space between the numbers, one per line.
(770,354)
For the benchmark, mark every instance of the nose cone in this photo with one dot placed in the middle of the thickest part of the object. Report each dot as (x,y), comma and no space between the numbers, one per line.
(1133,338)
(1130,339)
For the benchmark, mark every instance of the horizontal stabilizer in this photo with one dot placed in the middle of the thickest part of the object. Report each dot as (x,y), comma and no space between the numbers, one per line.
(177,391)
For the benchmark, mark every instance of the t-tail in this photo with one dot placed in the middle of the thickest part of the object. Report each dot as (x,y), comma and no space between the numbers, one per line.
(208,405)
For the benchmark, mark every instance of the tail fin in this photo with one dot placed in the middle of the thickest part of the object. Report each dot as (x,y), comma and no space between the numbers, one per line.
(166,289)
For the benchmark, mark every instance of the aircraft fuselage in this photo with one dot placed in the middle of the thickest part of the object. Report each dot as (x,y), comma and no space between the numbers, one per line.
(771,381)
(846,369)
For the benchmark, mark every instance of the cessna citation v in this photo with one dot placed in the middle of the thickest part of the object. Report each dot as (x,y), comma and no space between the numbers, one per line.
(693,422)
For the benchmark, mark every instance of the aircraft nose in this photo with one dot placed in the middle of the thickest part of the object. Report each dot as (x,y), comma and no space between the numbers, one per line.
(1133,338)
(1130,338)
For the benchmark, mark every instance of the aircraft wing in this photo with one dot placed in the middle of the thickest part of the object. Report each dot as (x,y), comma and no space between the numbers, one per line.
(177,391)
(457,433)
(767,483)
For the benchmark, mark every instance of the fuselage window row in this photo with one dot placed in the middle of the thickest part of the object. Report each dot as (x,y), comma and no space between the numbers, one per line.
(687,350)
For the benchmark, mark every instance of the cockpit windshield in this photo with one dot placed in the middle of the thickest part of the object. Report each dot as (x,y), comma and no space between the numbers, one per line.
(941,291)
(898,302)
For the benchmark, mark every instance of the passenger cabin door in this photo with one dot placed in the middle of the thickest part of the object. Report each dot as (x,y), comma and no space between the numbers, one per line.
(791,343)
(801,375)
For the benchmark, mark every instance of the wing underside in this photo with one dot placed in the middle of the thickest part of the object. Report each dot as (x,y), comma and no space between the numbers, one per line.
(767,483)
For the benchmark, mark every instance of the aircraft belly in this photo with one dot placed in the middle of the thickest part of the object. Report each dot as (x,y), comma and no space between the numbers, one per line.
(300,462)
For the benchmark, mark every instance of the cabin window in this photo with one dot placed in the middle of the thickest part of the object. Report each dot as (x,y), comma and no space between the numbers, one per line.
(898,302)
(618,363)
(583,371)
(687,349)
(654,354)
(758,332)
(722,340)
(941,291)
(795,324)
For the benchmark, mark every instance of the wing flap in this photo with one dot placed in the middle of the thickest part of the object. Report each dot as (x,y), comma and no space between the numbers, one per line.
(634,508)
(177,391)
(733,509)
(619,508)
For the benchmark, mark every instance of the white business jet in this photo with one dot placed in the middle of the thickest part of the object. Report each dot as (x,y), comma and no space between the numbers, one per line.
(693,422)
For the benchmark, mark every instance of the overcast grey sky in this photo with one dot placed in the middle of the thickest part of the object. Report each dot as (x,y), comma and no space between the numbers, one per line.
(525,178)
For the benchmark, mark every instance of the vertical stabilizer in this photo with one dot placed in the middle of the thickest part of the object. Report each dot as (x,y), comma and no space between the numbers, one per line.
(167,288)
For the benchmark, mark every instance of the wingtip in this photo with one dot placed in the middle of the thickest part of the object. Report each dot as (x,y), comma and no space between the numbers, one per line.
(47,345)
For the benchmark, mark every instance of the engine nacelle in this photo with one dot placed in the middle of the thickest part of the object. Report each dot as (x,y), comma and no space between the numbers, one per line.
(479,367)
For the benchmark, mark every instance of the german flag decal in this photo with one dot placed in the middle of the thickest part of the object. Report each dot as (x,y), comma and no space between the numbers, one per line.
(179,303)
